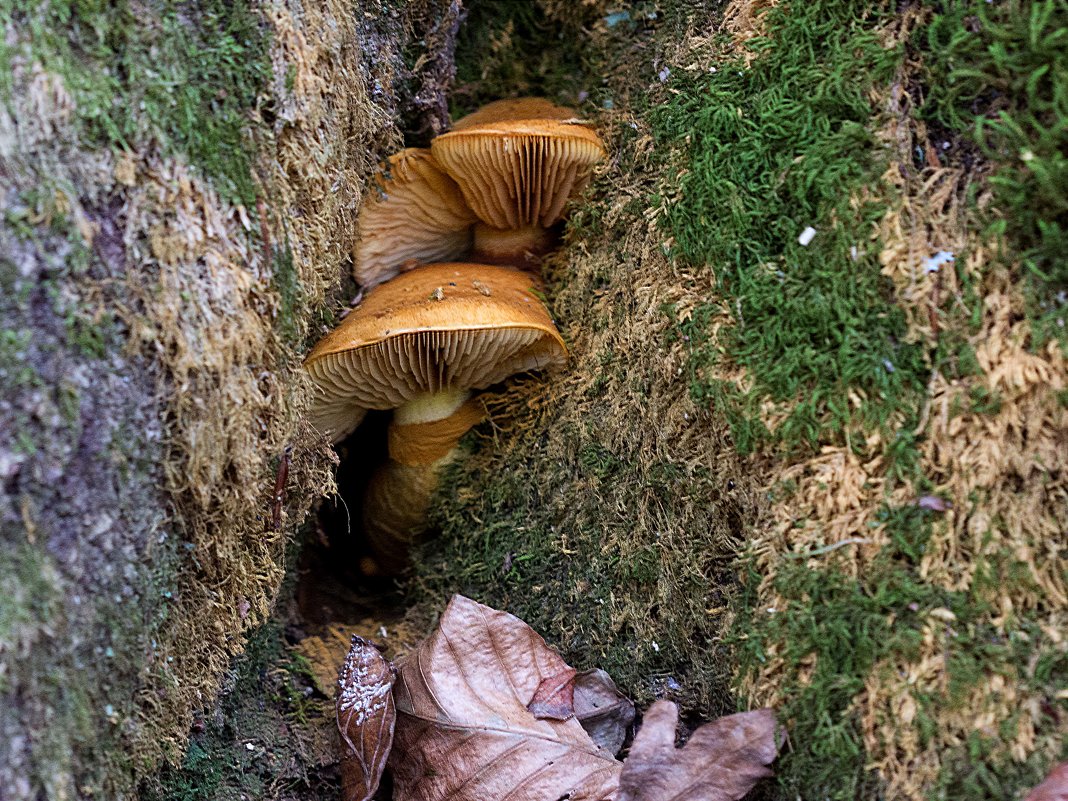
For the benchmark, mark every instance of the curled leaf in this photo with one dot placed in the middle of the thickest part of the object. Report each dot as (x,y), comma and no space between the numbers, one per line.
(555,697)
(365,719)
(604,712)
(721,761)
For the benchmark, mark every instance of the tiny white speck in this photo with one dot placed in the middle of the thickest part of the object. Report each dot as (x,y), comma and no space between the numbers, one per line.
(932,264)
(806,237)
(656,647)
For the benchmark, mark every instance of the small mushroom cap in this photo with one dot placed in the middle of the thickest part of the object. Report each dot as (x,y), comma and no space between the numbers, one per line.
(519,171)
(438,327)
(420,215)
(513,110)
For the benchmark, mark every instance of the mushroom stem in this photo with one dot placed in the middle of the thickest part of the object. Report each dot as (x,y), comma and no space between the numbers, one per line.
(519,247)
(422,440)
(430,406)
(395,511)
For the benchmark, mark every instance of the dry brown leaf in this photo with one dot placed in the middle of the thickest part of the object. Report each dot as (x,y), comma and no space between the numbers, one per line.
(555,697)
(463,728)
(365,719)
(604,712)
(721,761)
(1055,786)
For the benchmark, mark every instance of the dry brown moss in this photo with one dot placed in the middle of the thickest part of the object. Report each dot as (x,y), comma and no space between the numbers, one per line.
(992,442)
(233,304)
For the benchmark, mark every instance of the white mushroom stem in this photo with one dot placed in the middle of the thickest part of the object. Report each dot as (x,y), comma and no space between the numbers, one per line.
(430,406)
(519,247)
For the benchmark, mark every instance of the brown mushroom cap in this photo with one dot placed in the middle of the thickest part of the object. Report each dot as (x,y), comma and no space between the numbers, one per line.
(437,328)
(518,172)
(421,215)
(513,110)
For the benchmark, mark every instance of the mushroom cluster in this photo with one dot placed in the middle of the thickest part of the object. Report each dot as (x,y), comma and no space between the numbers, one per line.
(430,330)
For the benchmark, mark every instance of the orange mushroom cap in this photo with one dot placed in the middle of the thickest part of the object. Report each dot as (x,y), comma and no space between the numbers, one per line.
(513,110)
(420,216)
(439,327)
(517,170)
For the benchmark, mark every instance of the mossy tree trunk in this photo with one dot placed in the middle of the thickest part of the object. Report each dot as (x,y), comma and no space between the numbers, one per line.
(178,183)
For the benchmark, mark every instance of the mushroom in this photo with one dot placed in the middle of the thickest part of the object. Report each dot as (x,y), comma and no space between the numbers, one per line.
(419,216)
(420,344)
(517,162)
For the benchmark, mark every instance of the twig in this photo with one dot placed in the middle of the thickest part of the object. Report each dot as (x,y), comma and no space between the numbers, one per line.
(834,546)
(280,488)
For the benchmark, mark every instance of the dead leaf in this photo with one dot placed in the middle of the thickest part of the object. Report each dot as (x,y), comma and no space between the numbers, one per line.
(463,728)
(325,656)
(933,503)
(555,697)
(1055,786)
(721,761)
(365,718)
(604,712)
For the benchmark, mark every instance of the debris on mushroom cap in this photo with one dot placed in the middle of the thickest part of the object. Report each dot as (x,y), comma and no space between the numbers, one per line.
(418,214)
(399,344)
(513,109)
(518,172)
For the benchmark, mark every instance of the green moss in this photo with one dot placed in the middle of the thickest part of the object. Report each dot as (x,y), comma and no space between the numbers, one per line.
(841,628)
(286,283)
(508,48)
(187,73)
(214,765)
(583,541)
(29,592)
(975,770)
(768,151)
(14,368)
(998,72)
